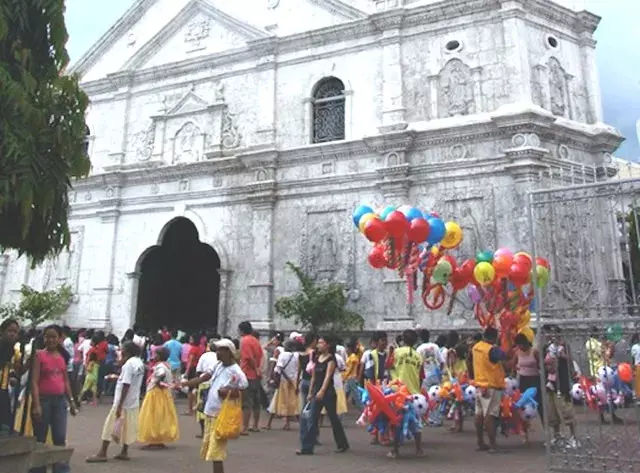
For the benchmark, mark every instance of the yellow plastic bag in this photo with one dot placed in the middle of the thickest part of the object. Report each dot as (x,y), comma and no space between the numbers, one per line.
(229,421)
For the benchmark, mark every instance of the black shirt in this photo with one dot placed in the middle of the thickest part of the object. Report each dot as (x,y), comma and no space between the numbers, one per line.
(320,372)
(304,361)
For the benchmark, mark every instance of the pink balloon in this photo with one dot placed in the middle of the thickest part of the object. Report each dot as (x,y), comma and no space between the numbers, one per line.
(503,252)
(473,294)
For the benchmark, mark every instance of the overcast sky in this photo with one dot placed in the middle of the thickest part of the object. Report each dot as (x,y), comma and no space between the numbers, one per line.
(618,54)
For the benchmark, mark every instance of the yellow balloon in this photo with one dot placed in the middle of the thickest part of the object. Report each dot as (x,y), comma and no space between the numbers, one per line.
(528,332)
(484,273)
(435,251)
(364,219)
(452,236)
(525,318)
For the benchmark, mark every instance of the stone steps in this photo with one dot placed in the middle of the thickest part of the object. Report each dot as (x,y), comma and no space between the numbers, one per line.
(19,454)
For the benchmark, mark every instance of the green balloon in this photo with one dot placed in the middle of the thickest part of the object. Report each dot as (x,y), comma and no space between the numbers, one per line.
(614,332)
(484,257)
(543,276)
(442,272)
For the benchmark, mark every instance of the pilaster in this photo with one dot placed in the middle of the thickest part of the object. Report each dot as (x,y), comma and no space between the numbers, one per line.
(516,53)
(393,175)
(122,82)
(587,24)
(393,111)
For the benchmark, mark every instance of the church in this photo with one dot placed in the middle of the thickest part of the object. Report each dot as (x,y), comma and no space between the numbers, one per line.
(229,137)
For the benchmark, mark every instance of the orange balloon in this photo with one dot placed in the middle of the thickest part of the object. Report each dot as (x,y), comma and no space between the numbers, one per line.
(502,264)
(625,373)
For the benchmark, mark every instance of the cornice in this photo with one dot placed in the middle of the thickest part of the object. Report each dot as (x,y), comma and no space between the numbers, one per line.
(258,158)
(395,141)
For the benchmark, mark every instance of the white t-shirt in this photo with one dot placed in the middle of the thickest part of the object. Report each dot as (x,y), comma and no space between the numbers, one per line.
(67,344)
(367,360)
(288,363)
(337,375)
(223,377)
(84,348)
(140,341)
(635,353)
(431,354)
(206,362)
(132,373)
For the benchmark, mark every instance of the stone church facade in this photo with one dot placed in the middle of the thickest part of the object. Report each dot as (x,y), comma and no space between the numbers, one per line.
(265,122)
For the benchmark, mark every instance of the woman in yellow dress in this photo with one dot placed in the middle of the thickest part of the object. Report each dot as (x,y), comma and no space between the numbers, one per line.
(158,419)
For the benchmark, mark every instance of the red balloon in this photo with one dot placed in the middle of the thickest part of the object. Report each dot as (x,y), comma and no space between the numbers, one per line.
(452,261)
(467,267)
(458,279)
(625,373)
(523,260)
(418,230)
(397,224)
(502,264)
(375,230)
(519,274)
(543,262)
(377,257)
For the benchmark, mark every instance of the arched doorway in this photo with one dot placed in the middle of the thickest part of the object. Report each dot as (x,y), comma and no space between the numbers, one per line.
(179,281)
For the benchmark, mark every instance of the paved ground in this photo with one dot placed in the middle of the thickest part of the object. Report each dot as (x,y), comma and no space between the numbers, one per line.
(274,451)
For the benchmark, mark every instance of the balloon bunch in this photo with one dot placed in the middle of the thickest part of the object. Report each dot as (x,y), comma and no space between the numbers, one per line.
(502,289)
(392,412)
(411,241)
(517,407)
(452,397)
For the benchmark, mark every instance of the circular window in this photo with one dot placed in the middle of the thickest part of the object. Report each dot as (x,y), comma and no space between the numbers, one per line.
(453,45)
(552,42)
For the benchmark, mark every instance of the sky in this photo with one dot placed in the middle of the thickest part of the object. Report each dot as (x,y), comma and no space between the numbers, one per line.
(618,54)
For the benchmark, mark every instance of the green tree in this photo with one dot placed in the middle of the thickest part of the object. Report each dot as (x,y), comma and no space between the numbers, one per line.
(42,128)
(318,306)
(36,307)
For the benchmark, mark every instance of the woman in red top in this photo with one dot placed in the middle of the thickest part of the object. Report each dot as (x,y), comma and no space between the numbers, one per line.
(192,362)
(51,393)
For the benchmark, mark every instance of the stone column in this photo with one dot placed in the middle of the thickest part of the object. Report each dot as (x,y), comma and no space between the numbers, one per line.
(516,53)
(122,106)
(223,304)
(130,296)
(393,111)
(588,24)
(266,132)
(104,268)
(261,282)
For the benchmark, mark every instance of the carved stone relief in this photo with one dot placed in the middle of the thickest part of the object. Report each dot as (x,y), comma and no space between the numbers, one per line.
(231,136)
(563,151)
(327,168)
(183,185)
(261,175)
(353,166)
(328,247)
(88,197)
(154,189)
(143,142)
(455,90)
(197,31)
(557,88)
(217,181)
(458,151)
(185,145)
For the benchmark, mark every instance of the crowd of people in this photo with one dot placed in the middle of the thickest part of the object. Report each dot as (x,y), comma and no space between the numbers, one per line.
(47,374)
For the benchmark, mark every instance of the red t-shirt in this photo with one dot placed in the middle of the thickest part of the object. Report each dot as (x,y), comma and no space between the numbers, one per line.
(250,356)
(101,350)
(52,371)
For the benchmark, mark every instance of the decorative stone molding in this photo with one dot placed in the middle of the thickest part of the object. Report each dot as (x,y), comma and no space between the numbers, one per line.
(458,151)
(108,216)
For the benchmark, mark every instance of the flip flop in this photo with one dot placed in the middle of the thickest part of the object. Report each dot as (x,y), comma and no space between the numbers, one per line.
(96,459)
(121,458)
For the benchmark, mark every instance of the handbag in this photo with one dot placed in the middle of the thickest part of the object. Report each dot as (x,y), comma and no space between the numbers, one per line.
(305,419)
(276,377)
(229,421)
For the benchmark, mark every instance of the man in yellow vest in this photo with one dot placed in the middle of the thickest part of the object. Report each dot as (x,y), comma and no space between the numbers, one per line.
(489,375)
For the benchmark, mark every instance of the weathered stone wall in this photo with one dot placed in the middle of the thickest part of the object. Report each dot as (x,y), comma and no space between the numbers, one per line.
(457,106)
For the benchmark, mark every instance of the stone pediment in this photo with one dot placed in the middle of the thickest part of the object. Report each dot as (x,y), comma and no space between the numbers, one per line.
(198,29)
(189,104)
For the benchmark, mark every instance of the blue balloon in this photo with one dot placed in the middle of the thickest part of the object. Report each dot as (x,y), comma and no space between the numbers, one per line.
(437,230)
(413,213)
(359,212)
(386,211)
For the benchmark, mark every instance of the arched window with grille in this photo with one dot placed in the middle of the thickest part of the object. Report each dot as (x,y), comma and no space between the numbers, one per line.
(328,110)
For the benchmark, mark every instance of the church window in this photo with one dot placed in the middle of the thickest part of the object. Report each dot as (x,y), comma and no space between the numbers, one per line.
(328,110)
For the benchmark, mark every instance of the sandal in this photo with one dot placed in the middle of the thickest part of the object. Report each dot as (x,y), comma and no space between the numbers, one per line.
(96,459)
(255,430)
(122,457)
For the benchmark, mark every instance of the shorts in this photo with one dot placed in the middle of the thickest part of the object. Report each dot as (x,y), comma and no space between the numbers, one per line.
(560,410)
(212,449)
(251,396)
(489,405)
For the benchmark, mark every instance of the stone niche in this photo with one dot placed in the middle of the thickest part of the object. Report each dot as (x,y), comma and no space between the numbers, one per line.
(191,130)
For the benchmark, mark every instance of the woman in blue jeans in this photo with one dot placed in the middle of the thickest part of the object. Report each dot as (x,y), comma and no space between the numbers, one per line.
(322,395)
(51,392)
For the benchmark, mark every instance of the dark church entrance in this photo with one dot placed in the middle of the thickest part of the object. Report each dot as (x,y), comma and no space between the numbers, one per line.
(179,281)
